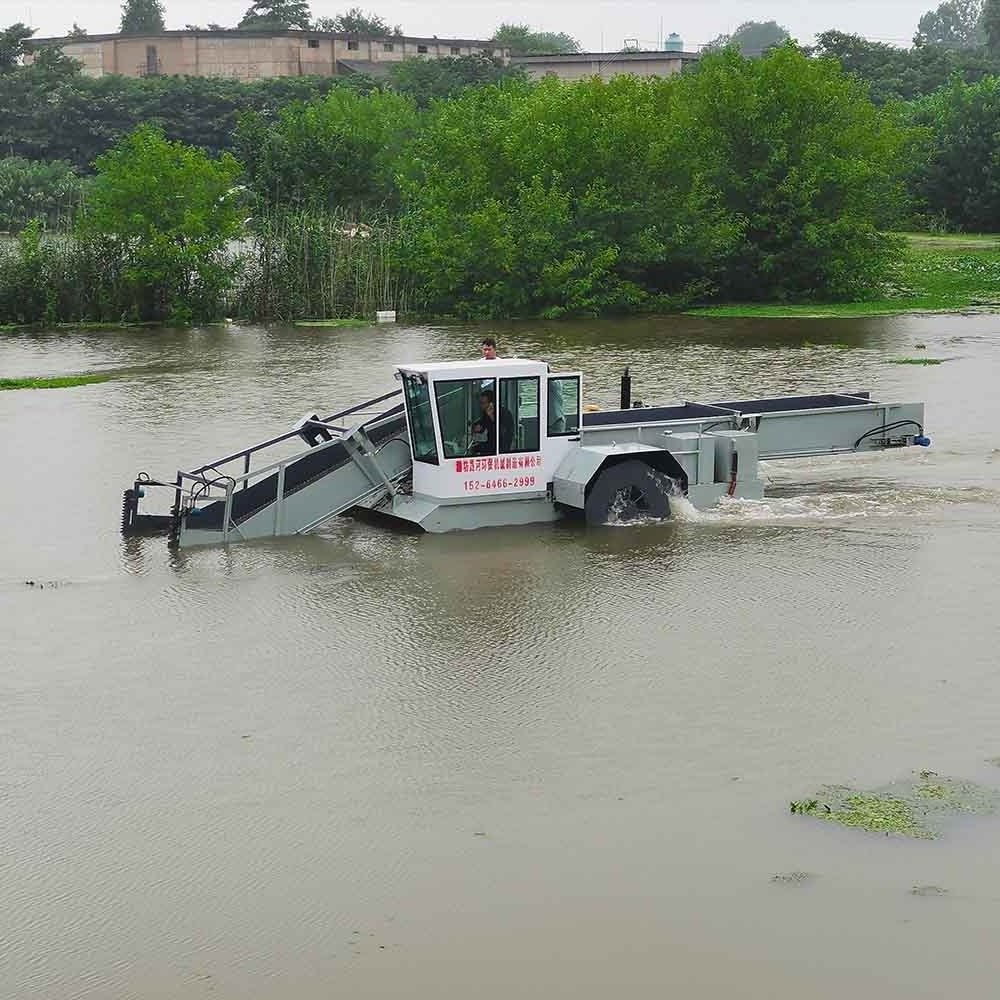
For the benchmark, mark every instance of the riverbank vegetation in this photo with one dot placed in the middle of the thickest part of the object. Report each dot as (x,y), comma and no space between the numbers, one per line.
(459,188)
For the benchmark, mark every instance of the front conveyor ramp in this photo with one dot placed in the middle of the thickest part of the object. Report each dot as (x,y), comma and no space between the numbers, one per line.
(321,481)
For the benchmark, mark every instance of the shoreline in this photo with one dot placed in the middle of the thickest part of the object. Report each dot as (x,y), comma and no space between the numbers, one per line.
(956,275)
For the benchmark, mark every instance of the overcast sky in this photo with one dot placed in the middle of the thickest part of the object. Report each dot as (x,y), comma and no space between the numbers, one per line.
(593,22)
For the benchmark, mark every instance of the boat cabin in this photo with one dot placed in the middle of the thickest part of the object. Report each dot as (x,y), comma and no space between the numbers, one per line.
(484,428)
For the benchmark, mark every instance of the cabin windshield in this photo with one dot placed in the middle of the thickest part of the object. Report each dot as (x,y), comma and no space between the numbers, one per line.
(463,411)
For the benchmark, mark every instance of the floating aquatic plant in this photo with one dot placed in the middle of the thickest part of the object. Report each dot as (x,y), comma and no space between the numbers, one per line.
(913,808)
(58,382)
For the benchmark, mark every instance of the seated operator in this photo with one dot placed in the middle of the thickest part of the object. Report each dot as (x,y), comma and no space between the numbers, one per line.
(486,424)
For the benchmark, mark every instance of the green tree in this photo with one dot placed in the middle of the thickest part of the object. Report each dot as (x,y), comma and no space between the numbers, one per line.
(957,178)
(337,153)
(428,80)
(954,24)
(50,192)
(522,41)
(142,17)
(895,74)
(50,111)
(13,45)
(796,149)
(556,199)
(76,32)
(752,38)
(356,22)
(277,15)
(169,211)
(990,25)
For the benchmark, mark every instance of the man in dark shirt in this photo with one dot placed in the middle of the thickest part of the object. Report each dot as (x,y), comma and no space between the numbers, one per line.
(487,424)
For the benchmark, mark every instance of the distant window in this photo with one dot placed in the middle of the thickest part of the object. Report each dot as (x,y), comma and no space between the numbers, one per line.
(353,45)
(422,50)
(313,43)
(456,51)
(388,46)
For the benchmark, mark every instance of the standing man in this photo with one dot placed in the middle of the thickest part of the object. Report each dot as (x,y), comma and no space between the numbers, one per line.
(489,346)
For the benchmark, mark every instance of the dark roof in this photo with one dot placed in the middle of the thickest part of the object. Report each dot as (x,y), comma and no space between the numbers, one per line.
(292,32)
(377,70)
(606,56)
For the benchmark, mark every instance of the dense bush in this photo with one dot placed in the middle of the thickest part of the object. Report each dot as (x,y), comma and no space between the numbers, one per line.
(62,279)
(53,112)
(336,153)
(49,192)
(956,178)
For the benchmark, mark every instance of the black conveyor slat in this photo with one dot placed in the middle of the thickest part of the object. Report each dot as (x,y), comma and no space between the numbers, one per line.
(781,404)
(696,411)
(652,414)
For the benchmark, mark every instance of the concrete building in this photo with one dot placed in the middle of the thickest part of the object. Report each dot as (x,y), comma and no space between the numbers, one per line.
(584,65)
(246,55)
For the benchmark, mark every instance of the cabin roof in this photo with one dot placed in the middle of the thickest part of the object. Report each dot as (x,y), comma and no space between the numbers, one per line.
(475,367)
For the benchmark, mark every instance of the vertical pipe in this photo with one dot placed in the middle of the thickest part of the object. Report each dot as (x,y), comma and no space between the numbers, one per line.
(626,397)
(279,500)
(246,469)
(227,517)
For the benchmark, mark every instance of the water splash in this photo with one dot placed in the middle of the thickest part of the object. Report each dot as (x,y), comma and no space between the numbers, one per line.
(836,505)
(617,512)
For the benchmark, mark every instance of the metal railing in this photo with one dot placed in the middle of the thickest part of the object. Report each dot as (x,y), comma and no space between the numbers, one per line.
(203,486)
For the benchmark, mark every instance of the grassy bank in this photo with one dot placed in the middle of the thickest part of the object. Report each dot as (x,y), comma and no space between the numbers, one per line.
(937,274)
(57,382)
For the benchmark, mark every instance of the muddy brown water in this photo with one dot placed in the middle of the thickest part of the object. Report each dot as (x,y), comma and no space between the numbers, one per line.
(530,762)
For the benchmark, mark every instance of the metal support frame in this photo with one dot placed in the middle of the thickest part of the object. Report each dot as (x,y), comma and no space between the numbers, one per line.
(364,453)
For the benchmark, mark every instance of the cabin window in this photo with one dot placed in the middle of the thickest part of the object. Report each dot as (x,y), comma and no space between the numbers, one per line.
(313,43)
(421,419)
(519,404)
(353,44)
(388,46)
(456,50)
(422,50)
(465,429)
(564,405)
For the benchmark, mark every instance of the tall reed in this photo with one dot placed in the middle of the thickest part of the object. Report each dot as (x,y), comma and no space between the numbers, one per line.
(301,265)
(309,264)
